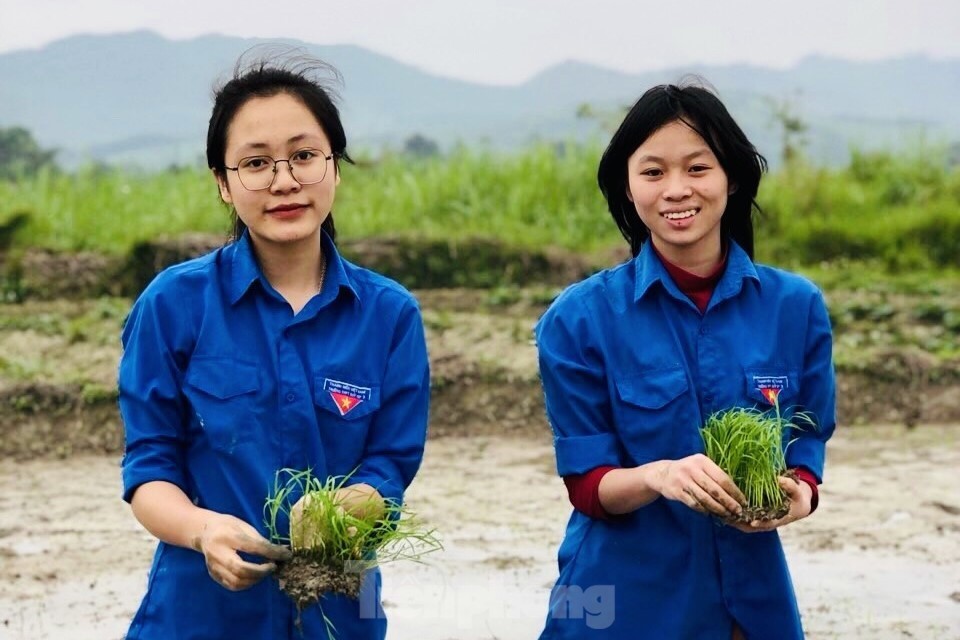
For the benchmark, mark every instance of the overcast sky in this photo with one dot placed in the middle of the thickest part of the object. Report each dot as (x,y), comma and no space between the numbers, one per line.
(507,41)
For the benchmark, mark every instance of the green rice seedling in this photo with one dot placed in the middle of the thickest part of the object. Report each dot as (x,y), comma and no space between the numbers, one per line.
(333,547)
(747,444)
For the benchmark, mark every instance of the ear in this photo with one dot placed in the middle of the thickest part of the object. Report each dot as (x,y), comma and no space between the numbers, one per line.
(224,187)
(629,195)
(732,189)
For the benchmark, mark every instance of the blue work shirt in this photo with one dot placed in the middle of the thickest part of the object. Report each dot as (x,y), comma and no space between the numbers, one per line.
(221,385)
(631,369)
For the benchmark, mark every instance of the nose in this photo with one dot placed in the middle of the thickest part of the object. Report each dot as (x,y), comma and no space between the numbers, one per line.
(283,180)
(677,187)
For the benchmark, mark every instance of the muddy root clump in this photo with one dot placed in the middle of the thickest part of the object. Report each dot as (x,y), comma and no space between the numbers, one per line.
(305,580)
(761,514)
(766,513)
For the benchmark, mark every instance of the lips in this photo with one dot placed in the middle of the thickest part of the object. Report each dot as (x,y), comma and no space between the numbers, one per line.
(286,208)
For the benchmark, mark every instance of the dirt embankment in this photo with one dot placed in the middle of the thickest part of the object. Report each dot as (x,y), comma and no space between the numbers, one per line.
(58,393)
(59,344)
(40,274)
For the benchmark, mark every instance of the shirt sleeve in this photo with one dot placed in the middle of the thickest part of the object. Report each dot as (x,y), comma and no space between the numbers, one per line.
(395,443)
(575,391)
(583,489)
(150,401)
(818,394)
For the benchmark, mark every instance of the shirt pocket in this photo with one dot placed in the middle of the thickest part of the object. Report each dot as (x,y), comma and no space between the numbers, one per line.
(651,414)
(222,392)
(783,381)
(350,401)
(346,408)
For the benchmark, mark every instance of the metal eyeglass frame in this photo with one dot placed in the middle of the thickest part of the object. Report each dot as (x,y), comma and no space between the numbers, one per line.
(275,161)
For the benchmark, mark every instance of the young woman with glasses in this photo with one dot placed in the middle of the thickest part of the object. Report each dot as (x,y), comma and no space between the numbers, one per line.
(270,353)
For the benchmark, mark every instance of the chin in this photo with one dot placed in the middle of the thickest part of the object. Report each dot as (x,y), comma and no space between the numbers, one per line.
(290,235)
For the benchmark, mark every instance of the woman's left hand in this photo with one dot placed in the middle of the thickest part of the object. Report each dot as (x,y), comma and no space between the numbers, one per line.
(359,500)
(798,493)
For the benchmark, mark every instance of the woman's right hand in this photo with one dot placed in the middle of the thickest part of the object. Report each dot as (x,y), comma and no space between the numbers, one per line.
(699,483)
(222,537)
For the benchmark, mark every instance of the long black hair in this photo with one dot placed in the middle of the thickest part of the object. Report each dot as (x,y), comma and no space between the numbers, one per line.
(302,77)
(702,111)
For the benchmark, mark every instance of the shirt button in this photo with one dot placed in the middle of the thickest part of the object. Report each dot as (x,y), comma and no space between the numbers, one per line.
(703,331)
(291,397)
(708,399)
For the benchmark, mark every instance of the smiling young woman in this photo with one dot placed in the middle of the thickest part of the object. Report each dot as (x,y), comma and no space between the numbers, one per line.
(270,353)
(635,358)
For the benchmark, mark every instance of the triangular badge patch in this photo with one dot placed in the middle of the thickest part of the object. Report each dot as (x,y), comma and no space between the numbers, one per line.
(344,403)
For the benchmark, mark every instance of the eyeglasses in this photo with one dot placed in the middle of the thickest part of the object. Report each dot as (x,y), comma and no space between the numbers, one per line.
(307,166)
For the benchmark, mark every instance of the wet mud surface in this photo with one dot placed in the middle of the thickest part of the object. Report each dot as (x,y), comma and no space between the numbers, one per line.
(879,560)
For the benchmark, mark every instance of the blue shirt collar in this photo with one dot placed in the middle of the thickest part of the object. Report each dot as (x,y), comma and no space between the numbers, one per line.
(245,270)
(648,269)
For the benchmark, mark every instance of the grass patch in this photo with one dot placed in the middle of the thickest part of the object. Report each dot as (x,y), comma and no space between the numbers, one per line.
(898,211)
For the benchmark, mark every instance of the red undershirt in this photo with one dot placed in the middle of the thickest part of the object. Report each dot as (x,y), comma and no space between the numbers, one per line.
(584,488)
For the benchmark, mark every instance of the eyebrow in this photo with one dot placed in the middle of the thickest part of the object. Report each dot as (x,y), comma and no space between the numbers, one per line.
(689,156)
(263,145)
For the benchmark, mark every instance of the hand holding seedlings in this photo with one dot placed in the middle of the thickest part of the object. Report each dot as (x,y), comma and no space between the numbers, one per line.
(748,444)
(362,501)
(699,483)
(359,500)
(337,534)
(798,494)
(220,540)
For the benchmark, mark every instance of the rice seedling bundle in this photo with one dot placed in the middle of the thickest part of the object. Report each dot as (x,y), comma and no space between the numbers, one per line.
(333,546)
(748,444)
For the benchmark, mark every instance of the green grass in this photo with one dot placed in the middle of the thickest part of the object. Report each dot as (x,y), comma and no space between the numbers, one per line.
(898,213)
(535,198)
(110,211)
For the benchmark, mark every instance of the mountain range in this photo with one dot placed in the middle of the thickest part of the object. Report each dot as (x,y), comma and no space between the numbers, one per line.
(139,98)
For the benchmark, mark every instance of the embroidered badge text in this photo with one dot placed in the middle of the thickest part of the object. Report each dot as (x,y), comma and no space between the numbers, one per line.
(345,395)
(771,386)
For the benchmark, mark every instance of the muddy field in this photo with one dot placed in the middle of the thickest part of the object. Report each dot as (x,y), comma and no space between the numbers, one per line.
(879,560)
